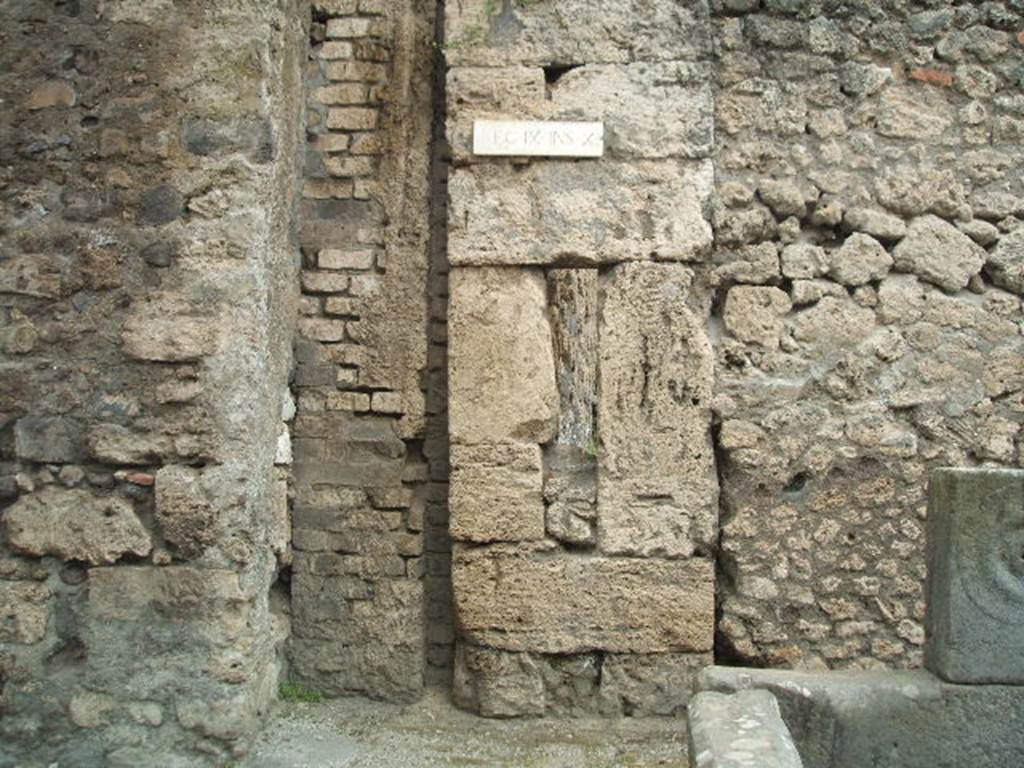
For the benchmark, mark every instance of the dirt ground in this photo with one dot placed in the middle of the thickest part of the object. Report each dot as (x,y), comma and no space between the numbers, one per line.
(356,733)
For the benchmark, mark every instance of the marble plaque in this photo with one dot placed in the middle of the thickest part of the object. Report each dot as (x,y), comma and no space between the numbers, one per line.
(514,138)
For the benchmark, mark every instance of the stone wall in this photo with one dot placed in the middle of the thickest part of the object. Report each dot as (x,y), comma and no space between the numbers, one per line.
(868,314)
(147,276)
(583,485)
(367,477)
(841,187)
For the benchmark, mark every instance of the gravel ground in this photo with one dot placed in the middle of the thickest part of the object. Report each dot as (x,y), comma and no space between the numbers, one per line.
(355,733)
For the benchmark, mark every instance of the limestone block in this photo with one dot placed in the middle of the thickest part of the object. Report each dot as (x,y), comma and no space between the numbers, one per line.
(184,511)
(975,619)
(579,212)
(657,487)
(497,683)
(939,253)
(168,328)
(490,34)
(755,314)
(739,730)
(1006,261)
(25,612)
(74,524)
(496,493)
(501,365)
(649,110)
(657,684)
(551,602)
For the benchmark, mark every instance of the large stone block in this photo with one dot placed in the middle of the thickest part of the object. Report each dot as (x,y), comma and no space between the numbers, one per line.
(975,617)
(482,32)
(579,212)
(552,602)
(501,366)
(739,730)
(496,493)
(75,525)
(657,486)
(649,110)
(169,328)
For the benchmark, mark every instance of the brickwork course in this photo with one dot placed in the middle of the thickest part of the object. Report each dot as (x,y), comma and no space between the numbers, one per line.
(297,389)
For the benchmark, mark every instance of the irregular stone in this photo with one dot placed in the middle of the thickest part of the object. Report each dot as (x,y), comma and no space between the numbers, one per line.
(579,212)
(979,231)
(833,321)
(783,197)
(500,352)
(75,525)
(657,487)
(496,493)
(90,710)
(976,576)
(650,685)
(912,191)
(31,275)
(25,610)
(168,328)
(186,516)
(803,260)
(52,93)
(1005,262)
(749,264)
(570,492)
(860,260)
(739,730)
(160,205)
(558,603)
(755,314)
(497,683)
(56,440)
(905,112)
(938,252)
(878,224)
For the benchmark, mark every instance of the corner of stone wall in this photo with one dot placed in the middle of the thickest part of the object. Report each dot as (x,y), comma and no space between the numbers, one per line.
(147,296)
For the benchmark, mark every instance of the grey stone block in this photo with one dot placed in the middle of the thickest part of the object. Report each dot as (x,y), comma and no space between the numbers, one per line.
(975,619)
(888,719)
(739,730)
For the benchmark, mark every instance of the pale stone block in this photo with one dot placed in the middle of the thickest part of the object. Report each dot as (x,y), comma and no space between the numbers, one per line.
(352,119)
(975,617)
(75,525)
(501,364)
(579,212)
(496,493)
(657,486)
(552,602)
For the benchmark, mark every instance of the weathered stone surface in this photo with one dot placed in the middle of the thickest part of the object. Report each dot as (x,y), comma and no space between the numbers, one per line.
(886,718)
(974,625)
(739,730)
(570,493)
(860,260)
(579,212)
(876,223)
(501,353)
(187,517)
(573,301)
(168,328)
(578,31)
(755,314)
(496,493)
(1006,262)
(25,610)
(53,440)
(657,684)
(657,489)
(938,252)
(556,603)
(75,525)
(497,683)
(804,260)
